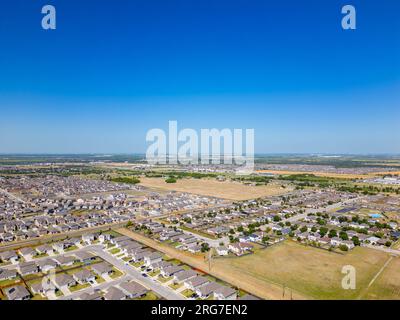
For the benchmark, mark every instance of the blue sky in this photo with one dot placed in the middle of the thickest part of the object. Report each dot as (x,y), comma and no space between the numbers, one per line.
(114,69)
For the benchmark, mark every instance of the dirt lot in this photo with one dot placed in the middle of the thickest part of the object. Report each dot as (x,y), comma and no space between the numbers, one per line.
(211,187)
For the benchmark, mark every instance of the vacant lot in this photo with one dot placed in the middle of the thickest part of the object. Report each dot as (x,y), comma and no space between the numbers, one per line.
(309,271)
(211,187)
(387,284)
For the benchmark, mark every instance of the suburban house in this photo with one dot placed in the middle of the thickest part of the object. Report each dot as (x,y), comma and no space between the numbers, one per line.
(170,271)
(114,293)
(18,292)
(240,248)
(222,251)
(9,256)
(84,276)
(102,268)
(62,280)
(225,293)
(44,249)
(64,260)
(184,275)
(38,288)
(152,258)
(7,274)
(196,282)
(27,268)
(27,253)
(90,296)
(84,257)
(89,238)
(105,237)
(46,265)
(133,289)
(159,265)
(207,290)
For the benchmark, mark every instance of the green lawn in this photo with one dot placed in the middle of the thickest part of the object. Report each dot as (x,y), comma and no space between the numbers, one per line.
(79,287)
(116,273)
(115,251)
(38,297)
(187,293)
(176,286)
(71,248)
(154,273)
(137,264)
(163,280)
(149,296)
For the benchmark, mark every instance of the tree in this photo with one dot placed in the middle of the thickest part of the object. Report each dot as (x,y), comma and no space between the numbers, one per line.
(303,229)
(343,247)
(129,224)
(356,241)
(170,180)
(276,218)
(205,247)
(332,233)
(265,239)
(343,235)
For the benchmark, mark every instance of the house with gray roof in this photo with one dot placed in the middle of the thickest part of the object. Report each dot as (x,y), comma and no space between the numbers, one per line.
(184,275)
(46,265)
(6,274)
(84,276)
(9,256)
(196,282)
(114,293)
(18,292)
(102,268)
(27,268)
(133,289)
(225,293)
(61,280)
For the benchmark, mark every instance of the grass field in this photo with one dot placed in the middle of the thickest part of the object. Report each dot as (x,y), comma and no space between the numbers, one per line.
(309,271)
(211,187)
(387,284)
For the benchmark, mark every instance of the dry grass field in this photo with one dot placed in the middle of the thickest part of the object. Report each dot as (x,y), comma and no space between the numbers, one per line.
(387,284)
(211,187)
(304,272)
(309,271)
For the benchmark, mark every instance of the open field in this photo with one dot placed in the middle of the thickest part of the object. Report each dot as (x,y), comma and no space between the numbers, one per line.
(211,187)
(311,271)
(387,284)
